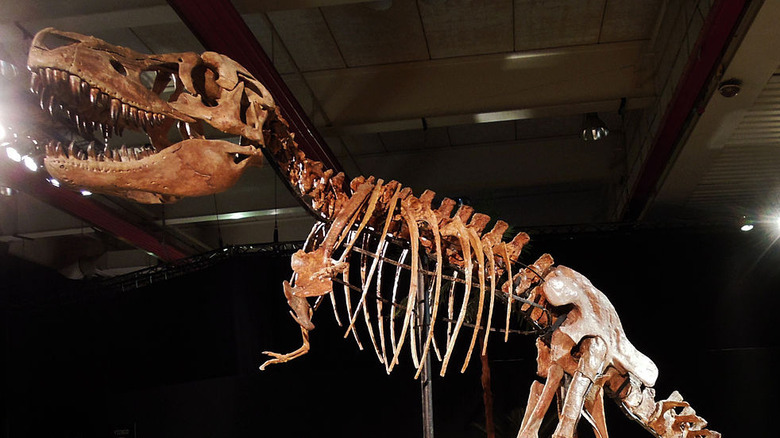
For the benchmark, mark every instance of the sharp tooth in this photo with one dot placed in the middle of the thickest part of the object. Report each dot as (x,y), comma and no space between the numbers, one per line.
(71,149)
(35,83)
(50,76)
(50,105)
(94,93)
(134,115)
(58,150)
(85,88)
(123,154)
(64,76)
(91,150)
(116,108)
(75,87)
(44,98)
(50,148)
(105,130)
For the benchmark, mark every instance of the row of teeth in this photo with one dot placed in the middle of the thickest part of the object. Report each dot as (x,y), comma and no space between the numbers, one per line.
(119,114)
(94,152)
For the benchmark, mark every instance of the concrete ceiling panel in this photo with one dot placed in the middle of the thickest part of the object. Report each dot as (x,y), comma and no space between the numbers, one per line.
(306,36)
(556,23)
(368,35)
(629,20)
(467,27)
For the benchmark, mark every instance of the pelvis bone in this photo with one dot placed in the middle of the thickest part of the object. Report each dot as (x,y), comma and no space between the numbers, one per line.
(105,89)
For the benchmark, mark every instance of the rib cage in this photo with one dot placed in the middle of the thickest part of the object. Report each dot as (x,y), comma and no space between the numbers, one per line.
(369,296)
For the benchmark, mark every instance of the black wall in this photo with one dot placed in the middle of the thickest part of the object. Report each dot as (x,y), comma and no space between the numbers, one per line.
(179,358)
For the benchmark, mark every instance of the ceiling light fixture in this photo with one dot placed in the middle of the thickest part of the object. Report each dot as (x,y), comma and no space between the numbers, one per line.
(593,128)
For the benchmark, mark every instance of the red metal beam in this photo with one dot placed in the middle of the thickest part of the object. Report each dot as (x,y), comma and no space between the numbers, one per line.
(220,28)
(713,40)
(83,208)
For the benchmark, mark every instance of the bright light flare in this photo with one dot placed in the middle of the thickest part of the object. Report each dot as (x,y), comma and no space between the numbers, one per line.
(29,163)
(746,227)
(13,154)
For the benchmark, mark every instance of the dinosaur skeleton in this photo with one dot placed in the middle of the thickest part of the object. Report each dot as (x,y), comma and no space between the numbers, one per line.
(472,276)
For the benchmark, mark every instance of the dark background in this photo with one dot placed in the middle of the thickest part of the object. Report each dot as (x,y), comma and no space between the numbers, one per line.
(179,358)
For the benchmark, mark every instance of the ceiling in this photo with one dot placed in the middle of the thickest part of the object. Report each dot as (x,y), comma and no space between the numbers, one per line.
(478,100)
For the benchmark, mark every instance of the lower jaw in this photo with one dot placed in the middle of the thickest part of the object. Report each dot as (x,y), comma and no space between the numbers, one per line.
(190,168)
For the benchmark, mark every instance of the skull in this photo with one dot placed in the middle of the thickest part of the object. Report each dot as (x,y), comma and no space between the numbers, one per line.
(103,89)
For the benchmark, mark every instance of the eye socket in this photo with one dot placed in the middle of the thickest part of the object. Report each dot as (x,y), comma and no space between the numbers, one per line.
(204,80)
(118,67)
(53,41)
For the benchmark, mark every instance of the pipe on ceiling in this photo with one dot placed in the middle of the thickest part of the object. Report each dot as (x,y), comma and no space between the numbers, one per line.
(713,41)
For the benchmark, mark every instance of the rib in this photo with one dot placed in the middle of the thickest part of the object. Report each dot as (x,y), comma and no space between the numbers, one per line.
(394,301)
(414,239)
(509,292)
(456,228)
(379,304)
(430,218)
(451,306)
(477,244)
(348,301)
(492,271)
(380,318)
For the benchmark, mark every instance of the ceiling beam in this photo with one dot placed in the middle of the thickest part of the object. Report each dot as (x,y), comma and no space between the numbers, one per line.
(482,84)
(220,28)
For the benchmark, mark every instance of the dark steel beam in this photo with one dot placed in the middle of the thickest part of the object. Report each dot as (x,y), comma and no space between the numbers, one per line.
(713,41)
(220,28)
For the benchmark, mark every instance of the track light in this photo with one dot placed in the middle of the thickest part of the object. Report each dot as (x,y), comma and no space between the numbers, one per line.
(593,128)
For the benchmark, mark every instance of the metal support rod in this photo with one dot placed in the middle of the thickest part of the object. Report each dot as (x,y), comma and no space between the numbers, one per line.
(426,384)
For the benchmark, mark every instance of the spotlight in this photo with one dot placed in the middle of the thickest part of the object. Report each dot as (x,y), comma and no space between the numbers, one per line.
(746,224)
(53,182)
(593,128)
(86,193)
(13,154)
(30,163)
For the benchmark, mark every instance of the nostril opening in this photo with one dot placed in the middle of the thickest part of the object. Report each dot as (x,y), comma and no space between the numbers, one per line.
(118,67)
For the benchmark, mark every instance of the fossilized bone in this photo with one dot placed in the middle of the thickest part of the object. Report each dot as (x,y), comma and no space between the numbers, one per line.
(443,251)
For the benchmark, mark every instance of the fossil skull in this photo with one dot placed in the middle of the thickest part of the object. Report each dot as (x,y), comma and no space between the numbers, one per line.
(104,89)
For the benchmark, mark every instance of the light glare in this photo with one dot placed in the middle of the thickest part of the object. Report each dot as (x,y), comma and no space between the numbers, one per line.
(13,154)
(747,227)
(30,163)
